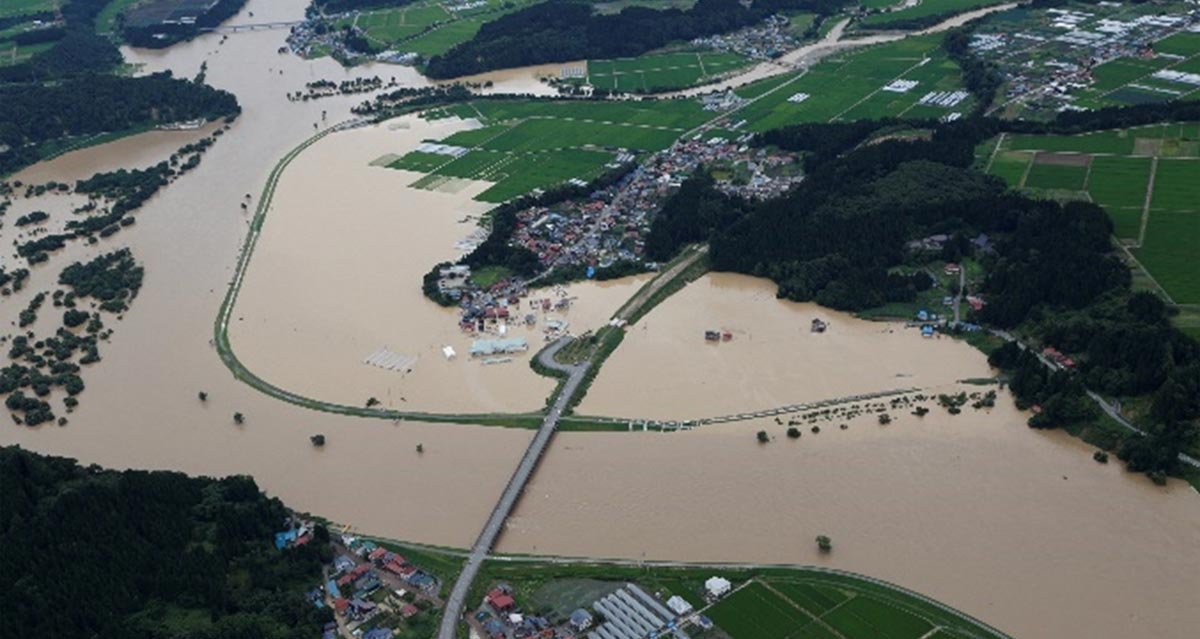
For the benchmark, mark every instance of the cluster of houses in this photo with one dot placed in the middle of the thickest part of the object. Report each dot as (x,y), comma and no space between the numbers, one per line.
(370,588)
(765,41)
(611,224)
(1051,57)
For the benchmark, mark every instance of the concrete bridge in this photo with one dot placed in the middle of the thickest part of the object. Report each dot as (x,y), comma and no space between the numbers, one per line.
(258,26)
(457,601)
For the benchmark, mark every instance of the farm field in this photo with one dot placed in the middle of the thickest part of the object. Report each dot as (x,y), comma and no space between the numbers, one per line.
(11,8)
(427,28)
(1126,81)
(662,71)
(783,608)
(1116,169)
(535,145)
(925,9)
(851,86)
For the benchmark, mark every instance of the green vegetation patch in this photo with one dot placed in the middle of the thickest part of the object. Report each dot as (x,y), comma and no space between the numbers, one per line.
(1184,44)
(755,612)
(661,72)
(926,9)
(1011,166)
(850,86)
(1119,181)
(1177,185)
(1056,176)
(1169,253)
(11,8)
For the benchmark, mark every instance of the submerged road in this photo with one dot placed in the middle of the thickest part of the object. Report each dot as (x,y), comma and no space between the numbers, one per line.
(457,600)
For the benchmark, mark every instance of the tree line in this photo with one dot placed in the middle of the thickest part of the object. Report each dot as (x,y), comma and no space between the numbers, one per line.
(32,115)
(93,553)
(560,31)
(160,36)
(68,91)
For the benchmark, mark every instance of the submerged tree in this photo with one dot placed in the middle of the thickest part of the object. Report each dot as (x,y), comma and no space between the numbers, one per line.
(763,437)
(824,543)
(239,418)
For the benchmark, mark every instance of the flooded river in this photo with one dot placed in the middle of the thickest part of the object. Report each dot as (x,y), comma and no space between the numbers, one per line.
(336,277)
(1019,528)
(772,359)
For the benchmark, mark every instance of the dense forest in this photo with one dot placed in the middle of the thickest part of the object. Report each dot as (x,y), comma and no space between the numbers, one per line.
(560,30)
(66,92)
(157,35)
(92,553)
(33,115)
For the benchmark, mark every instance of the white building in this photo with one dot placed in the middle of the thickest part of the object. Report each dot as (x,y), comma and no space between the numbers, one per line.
(717,587)
(679,605)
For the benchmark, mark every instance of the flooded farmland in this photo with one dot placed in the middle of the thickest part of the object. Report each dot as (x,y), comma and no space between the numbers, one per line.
(351,242)
(773,357)
(1019,528)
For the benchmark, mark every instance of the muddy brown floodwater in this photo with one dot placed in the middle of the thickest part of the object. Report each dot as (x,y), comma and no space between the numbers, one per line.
(140,408)
(773,359)
(336,277)
(1019,528)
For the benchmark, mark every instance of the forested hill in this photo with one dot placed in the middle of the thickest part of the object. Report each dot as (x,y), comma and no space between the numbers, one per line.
(31,115)
(144,28)
(563,30)
(68,91)
(98,554)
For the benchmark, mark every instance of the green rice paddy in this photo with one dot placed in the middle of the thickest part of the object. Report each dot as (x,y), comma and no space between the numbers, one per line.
(1121,166)
(814,608)
(10,8)
(924,9)
(1129,80)
(661,72)
(850,86)
(527,145)
(426,28)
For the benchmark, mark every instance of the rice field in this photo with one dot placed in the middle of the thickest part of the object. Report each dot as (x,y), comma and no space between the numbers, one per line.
(1117,170)
(779,608)
(427,28)
(925,9)
(1130,80)
(1169,253)
(661,72)
(10,8)
(850,86)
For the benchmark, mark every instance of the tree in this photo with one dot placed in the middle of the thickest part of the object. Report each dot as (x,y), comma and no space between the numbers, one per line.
(317,440)
(763,437)
(203,396)
(885,419)
(420,448)
(824,543)
(793,432)
(239,418)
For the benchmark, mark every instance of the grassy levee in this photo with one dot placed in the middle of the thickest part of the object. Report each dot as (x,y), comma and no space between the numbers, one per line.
(243,374)
(689,265)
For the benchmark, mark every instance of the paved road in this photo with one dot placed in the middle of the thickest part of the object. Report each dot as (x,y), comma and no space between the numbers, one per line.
(456,602)
(1104,404)
(661,280)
